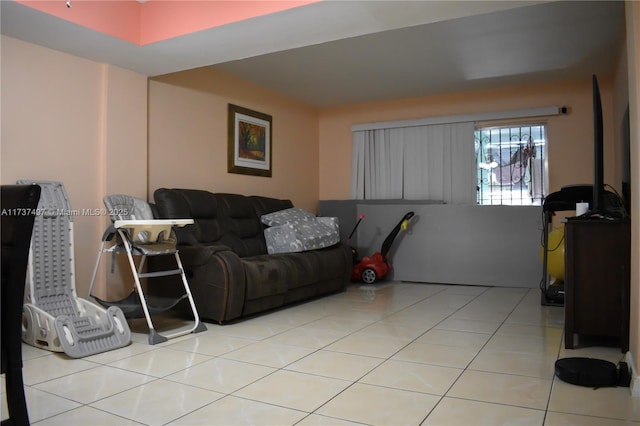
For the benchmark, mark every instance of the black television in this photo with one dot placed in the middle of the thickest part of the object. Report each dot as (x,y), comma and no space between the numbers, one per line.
(604,204)
(598,207)
(626,161)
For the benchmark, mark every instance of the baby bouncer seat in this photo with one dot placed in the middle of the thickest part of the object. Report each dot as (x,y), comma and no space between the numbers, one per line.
(139,235)
(54,317)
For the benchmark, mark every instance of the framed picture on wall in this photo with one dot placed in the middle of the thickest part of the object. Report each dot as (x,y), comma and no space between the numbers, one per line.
(249,149)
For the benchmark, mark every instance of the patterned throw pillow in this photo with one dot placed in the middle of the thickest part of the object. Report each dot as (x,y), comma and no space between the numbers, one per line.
(292,215)
(295,230)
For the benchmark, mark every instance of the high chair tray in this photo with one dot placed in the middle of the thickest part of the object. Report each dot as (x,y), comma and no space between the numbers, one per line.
(153,222)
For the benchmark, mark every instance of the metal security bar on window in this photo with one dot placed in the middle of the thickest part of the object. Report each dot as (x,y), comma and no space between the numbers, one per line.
(510,165)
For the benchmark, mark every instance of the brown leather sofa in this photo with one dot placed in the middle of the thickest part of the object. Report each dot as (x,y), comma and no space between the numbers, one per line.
(225,258)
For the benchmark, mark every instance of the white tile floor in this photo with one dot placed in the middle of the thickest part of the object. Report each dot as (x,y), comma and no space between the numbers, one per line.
(389,354)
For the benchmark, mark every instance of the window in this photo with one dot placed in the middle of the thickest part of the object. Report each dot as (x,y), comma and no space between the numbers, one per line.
(511,165)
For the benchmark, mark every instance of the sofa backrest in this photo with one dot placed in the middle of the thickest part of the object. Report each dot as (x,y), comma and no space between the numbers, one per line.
(232,220)
(199,205)
(265,205)
(243,230)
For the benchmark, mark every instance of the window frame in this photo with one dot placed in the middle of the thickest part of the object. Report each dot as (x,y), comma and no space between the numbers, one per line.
(523,162)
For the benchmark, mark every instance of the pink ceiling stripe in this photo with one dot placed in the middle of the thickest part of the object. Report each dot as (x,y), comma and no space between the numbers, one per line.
(167,19)
(119,18)
(156,20)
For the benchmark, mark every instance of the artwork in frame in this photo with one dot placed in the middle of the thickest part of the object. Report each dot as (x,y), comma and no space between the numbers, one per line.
(249,150)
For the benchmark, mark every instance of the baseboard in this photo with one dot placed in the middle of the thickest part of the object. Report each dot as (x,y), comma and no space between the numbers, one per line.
(635,376)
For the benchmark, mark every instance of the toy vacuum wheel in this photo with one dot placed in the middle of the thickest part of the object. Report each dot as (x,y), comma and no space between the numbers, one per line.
(368,276)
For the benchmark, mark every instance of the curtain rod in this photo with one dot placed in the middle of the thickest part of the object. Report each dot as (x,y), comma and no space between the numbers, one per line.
(523,113)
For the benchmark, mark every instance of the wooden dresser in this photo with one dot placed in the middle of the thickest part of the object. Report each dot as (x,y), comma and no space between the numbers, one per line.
(597,277)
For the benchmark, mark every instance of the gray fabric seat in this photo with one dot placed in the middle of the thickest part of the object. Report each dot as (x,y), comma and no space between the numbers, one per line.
(125,207)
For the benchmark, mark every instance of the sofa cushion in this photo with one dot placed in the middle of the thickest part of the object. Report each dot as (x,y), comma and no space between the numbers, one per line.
(306,269)
(267,275)
(243,231)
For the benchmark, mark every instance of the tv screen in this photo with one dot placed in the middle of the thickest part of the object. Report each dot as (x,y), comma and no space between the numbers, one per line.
(626,161)
(598,158)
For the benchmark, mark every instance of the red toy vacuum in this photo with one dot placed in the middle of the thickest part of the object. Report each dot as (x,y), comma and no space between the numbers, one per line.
(371,269)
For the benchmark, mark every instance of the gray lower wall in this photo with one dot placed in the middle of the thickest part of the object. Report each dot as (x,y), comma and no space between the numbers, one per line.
(454,244)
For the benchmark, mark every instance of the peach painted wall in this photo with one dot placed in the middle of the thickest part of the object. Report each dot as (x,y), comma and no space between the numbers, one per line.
(620,104)
(570,137)
(633,66)
(188,137)
(69,119)
(124,154)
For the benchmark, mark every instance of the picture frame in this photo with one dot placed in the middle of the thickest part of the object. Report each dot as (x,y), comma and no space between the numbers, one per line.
(249,144)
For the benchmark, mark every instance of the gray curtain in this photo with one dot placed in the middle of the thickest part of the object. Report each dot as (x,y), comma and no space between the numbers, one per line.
(431,162)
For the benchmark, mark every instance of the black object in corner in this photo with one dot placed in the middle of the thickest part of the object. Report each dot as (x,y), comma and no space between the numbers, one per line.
(594,373)
(19,204)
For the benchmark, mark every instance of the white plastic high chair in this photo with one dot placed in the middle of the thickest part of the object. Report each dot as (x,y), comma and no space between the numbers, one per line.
(138,234)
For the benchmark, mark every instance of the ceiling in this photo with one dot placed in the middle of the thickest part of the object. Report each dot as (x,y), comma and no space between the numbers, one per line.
(343,52)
